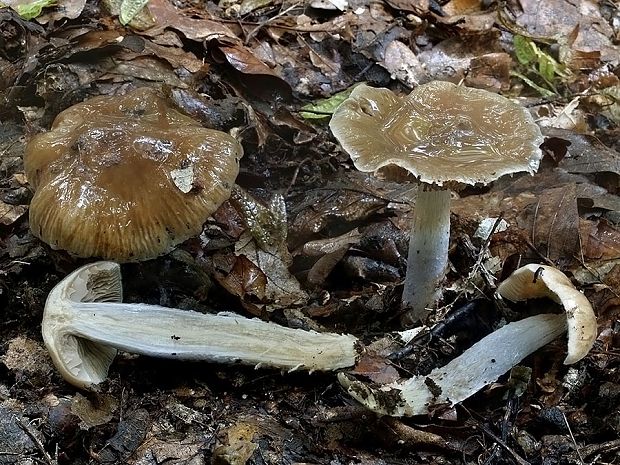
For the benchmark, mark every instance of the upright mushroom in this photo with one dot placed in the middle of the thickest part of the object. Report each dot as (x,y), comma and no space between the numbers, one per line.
(446,136)
(85,322)
(126,177)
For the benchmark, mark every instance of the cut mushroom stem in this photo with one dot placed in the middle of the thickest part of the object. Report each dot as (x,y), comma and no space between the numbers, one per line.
(428,251)
(477,367)
(85,323)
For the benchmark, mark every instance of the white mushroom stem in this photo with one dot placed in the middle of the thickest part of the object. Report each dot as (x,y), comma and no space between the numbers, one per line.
(85,323)
(537,281)
(428,251)
(462,377)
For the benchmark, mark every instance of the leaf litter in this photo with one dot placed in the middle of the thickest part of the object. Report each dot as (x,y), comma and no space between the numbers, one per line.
(318,245)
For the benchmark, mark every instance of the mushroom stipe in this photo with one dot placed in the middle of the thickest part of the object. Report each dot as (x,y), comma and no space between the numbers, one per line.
(85,323)
(447,136)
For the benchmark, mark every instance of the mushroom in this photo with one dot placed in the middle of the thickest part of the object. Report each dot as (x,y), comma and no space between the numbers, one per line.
(494,354)
(463,376)
(126,177)
(85,323)
(538,281)
(447,136)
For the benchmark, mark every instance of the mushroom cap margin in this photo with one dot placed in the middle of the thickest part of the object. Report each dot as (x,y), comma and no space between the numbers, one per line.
(81,362)
(440,132)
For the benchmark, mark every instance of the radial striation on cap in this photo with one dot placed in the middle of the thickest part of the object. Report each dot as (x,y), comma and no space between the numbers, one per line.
(126,178)
(440,133)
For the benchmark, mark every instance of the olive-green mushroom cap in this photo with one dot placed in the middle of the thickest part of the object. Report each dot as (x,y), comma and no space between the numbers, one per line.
(126,177)
(440,132)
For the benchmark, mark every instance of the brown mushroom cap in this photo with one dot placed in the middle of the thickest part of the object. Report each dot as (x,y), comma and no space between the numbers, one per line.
(440,133)
(126,178)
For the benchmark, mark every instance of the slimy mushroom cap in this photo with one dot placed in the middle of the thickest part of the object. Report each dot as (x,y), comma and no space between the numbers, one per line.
(440,132)
(126,177)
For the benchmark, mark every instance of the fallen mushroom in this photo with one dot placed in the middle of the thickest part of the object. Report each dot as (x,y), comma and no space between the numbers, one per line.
(493,355)
(85,323)
(126,177)
(462,377)
(447,136)
(537,281)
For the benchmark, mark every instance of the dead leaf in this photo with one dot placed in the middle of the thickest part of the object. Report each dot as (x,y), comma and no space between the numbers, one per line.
(599,240)
(583,153)
(248,6)
(238,442)
(69,9)
(147,68)
(419,7)
(282,290)
(490,72)
(331,206)
(468,15)
(404,65)
(558,18)
(324,266)
(376,368)
(333,244)
(246,281)
(166,15)
(94,411)
(9,214)
(263,244)
(370,270)
(555,224)
(241,58)
(175,56)
(452,58)
(219,114)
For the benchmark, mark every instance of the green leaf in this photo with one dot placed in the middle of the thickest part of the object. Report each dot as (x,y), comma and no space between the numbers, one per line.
(525,49)
(33,9)
(324,108)
(541,90)
(547,66)
(129,9)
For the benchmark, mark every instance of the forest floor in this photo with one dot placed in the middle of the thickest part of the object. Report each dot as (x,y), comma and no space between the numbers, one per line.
(272,72)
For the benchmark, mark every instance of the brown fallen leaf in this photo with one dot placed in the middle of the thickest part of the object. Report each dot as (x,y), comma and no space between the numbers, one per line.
(95,410)
(165,15)
(419,7)
(324,207)
(599,240)
(376,368)
(321,269)
(9,214)
(452,58)
(581,153)
(555,224)
(246,281)
(403,64)
(146,68)
(263,272)
(281,289)
(490,72)
(240,57)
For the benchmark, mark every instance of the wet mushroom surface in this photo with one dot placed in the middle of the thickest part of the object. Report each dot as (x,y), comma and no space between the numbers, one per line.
(447,137)
(308,243)
(126,177)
